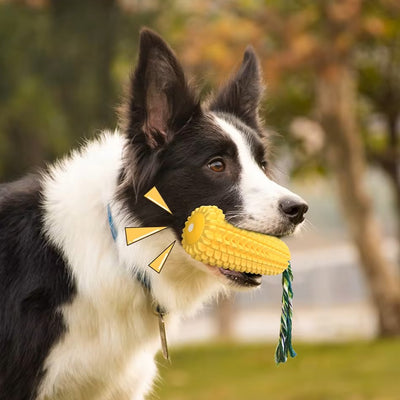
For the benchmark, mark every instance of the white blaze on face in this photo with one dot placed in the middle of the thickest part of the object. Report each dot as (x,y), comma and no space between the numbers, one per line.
(260,195)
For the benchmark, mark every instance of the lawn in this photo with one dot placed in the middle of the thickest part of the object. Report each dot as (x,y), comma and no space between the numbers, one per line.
(355,371)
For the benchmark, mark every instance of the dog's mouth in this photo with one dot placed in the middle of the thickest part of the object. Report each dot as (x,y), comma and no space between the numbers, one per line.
(240,279)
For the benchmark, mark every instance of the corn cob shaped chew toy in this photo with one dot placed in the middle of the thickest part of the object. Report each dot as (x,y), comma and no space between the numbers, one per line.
(209,238)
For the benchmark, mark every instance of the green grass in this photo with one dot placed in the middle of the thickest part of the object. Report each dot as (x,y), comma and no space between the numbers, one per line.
(355,371)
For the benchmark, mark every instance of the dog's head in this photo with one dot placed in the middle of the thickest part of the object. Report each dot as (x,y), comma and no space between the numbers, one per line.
(200,154)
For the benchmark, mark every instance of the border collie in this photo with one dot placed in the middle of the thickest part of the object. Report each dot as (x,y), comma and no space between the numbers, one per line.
(76,304)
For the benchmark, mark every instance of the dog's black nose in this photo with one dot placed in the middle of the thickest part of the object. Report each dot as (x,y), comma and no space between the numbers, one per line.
(294,209)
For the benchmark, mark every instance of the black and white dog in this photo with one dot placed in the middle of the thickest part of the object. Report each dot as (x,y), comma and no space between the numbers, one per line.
(76,306)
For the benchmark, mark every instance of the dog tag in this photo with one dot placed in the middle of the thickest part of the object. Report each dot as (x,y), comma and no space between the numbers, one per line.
(163,336)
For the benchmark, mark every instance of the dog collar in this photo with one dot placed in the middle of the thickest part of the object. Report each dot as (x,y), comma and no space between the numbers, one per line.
(113,230)
(144,280)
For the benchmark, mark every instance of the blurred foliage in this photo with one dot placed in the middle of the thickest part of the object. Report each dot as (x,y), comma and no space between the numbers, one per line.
(64,62)
(61,70)
(351,371)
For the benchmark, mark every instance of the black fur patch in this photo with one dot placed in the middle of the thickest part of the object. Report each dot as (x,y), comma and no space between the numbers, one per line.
(159,104)
(34,282)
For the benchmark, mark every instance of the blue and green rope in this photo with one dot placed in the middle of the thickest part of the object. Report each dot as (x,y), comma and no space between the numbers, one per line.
(285,347)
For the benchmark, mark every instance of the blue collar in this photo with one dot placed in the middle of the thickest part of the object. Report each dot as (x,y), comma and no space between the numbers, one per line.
(142,278)
(113,230)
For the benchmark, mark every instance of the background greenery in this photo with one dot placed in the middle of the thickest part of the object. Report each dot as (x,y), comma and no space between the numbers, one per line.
(351,371)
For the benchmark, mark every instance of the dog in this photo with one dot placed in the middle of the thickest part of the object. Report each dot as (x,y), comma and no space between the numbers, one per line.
(77,314)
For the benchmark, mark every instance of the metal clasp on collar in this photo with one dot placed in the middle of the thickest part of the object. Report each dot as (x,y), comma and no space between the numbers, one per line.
(160,312)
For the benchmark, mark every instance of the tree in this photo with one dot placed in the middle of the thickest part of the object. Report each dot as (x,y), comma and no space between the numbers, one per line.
(336,92)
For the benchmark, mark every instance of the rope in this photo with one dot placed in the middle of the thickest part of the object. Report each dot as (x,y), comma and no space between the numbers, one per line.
(285,347)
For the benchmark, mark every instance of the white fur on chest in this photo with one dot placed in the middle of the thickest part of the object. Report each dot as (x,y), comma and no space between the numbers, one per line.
(108,351)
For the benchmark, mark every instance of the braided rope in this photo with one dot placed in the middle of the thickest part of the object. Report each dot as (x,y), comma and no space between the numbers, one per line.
(285,347)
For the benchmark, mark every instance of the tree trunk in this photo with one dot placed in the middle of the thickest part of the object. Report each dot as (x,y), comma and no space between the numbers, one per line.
(336,93)
(391,164)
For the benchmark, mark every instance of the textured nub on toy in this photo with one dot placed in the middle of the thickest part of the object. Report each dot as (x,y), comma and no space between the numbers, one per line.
(209,238)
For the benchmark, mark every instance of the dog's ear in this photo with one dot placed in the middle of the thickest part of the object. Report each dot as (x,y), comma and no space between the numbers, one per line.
(241,95)
(160,100)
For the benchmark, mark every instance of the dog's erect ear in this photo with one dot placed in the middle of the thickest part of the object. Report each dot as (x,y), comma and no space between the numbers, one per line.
(241,95)
(160,100)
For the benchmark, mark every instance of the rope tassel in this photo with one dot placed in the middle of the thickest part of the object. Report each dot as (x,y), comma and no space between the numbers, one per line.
(285,347)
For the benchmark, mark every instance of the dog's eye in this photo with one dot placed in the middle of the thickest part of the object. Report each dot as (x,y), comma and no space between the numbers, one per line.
(264,165)
(217,165)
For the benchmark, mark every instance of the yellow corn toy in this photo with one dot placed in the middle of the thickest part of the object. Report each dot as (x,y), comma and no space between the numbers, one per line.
(209,238)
